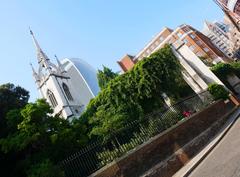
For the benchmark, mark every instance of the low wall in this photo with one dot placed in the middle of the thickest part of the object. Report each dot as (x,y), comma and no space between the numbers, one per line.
(169,151)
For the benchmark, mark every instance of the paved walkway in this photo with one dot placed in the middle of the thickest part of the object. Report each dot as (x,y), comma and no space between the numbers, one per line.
(224,160)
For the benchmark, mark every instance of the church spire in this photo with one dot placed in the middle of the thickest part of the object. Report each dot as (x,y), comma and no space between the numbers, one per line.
(41,56)
(35,75)
(59,65)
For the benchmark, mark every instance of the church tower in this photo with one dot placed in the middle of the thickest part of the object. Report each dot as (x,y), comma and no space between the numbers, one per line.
(54,84)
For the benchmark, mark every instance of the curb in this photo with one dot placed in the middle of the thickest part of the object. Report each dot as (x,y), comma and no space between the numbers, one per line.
(222,135)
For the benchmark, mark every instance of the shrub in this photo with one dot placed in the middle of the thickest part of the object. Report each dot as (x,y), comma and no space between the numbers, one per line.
(222,70)
(218,91)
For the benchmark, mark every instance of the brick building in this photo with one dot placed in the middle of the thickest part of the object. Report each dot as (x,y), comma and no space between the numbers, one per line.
(198,43)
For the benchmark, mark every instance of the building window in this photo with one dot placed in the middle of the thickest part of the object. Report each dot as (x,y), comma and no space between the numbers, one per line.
(221,44)
(67,92)
(52,98)
(152,47)
(185,41)
(199,54)
(192,47)
(214,38)
(161,38)
(185,29)
(206,49)
(199,42)
(192,36)
(179,34)
(211,36)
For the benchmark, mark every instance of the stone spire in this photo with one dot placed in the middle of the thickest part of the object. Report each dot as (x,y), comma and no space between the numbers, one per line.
(60,67)
(35,75)
(41,56)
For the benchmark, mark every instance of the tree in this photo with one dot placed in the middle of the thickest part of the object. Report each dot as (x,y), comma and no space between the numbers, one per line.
(40,140)
(104,76)
(11,97)
(129,96)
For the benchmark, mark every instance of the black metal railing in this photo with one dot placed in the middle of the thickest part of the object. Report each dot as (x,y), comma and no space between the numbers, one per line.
(100,153)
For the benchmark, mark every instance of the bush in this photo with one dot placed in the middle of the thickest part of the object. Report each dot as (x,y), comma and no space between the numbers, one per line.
(222,70)
(218,91)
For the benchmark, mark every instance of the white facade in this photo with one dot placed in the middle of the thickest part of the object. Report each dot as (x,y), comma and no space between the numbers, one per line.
(68,86)
(218,34)
(195,73)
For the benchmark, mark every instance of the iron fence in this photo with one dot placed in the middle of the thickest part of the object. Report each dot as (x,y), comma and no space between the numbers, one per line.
(100,153)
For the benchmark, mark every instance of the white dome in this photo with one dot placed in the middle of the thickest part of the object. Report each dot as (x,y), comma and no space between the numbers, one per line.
(86,70)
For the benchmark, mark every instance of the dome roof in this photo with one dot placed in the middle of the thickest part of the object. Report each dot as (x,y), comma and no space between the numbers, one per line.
(86,70)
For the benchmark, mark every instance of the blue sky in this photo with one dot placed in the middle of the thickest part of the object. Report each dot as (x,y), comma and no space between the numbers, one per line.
(98,31)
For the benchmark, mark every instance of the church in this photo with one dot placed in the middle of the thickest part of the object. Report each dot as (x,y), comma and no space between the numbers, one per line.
(68,86)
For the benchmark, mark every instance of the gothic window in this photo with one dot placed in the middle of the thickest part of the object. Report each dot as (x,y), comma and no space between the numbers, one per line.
(52,98)
(67,92)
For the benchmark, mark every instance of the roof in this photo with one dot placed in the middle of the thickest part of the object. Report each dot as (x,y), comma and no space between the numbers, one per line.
(87,71)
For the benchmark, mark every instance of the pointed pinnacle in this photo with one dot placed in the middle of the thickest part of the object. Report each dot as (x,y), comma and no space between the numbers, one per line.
(30,30)
(32,68)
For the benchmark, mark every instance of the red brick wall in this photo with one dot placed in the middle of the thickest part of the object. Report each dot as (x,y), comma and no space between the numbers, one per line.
(126,63)
(165,145)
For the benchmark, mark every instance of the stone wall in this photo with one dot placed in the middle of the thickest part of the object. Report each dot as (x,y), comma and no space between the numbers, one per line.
(170,150)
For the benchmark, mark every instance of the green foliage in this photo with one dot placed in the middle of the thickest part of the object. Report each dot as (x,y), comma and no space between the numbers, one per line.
(207,61)
(218,91)
(11,97)
(137,92)
(147,129)
(45,169)
(37,136)
(170,118)
(222,70)
(105,76)
(236,68)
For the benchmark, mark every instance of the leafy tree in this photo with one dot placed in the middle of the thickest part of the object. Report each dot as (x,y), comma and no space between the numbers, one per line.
(104,76)
(11,97)
(137,92)
(40,140)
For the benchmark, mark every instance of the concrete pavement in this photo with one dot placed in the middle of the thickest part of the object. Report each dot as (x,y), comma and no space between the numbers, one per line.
(224,159)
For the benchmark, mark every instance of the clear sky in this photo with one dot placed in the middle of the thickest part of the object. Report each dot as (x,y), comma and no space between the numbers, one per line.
(98,31)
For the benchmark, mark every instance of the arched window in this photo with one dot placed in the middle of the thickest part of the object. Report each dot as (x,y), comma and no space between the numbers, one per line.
(52,98)
(67,92)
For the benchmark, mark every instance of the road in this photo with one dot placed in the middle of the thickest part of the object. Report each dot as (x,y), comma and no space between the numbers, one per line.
(224,160)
